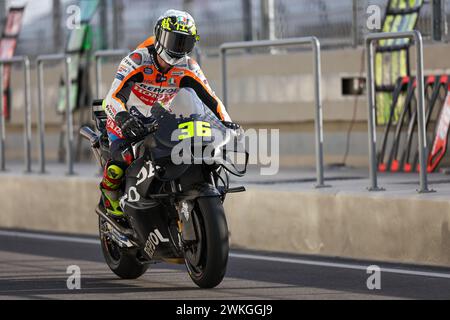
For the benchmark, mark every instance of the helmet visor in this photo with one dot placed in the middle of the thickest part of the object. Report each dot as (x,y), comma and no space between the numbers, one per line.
(176,44)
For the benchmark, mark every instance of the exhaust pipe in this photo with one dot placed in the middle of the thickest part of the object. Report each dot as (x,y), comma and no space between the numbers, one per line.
(126,232)
(94,139)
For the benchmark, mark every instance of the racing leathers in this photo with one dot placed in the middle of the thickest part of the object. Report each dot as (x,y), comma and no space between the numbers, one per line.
(139,82)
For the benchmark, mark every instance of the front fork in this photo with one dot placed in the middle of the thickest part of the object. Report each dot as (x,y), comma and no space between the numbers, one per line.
(185,222)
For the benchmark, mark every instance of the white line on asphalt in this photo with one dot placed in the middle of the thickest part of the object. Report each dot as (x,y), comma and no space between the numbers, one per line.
(339,265)
(41,236)
(73,239)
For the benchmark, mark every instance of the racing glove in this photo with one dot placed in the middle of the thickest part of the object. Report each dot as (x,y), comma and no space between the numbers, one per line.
(237,129)
(151,124)
(132,127)
(231,125)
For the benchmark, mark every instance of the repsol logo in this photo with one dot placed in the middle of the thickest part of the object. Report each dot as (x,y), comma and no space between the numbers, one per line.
(158,90)
(154,239)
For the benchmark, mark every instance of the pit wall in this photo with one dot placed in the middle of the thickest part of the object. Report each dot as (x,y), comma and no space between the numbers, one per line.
(374,226)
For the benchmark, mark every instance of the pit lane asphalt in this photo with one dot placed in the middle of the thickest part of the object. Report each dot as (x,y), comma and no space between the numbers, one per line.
(34,266)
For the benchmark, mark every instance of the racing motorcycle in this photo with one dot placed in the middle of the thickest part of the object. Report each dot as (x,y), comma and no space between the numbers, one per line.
(173,210)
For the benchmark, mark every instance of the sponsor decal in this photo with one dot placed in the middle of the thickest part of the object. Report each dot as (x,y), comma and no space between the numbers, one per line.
(145,96)
(155,89)
(113,127)
(160,78)
(110,111)
(145,174)
(199,73)
(151,98)
(150,60)
(136,58)
(123,69)
(178,73)
(154,239)
(184,24)
(148,70)
(182,19)
(128,63)
(135,112)
(133,195)
(192,65)
(120,76)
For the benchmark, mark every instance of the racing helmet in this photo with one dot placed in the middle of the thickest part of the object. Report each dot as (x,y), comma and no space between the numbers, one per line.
(175,36)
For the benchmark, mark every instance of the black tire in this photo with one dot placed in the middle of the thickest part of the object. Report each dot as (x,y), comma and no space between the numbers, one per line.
(211,227)
(123,262)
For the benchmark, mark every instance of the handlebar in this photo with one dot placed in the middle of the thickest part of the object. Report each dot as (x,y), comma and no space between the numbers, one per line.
(150,128)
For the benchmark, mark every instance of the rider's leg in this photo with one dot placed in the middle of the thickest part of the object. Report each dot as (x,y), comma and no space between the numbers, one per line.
(113,174)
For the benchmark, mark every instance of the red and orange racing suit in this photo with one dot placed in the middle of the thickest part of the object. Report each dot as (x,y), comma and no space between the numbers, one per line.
(140,83)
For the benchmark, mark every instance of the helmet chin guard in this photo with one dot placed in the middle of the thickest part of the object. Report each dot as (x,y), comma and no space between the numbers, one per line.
(163,54)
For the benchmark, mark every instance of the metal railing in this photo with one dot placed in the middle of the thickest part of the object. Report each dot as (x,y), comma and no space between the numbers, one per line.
(313,41)
(318,121)
(420,95)
(98,66)
(27,124)
(69,117)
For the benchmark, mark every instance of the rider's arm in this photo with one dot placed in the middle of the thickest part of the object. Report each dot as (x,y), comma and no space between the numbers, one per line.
(195,79)
(128,73)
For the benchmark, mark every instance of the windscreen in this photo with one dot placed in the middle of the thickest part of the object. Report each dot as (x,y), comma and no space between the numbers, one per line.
(194,133)
(186,117)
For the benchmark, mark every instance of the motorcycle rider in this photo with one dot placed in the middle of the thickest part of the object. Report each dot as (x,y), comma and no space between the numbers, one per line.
(153,73)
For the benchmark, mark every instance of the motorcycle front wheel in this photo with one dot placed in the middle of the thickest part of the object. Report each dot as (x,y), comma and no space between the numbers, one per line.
(206,260)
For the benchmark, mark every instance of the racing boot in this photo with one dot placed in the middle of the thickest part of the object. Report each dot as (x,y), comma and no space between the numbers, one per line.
(110,189)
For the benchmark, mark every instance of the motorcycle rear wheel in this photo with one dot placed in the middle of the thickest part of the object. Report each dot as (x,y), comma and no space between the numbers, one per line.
(123,262)
(206,261)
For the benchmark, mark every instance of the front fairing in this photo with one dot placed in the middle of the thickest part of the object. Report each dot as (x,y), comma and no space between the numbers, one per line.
(190,125)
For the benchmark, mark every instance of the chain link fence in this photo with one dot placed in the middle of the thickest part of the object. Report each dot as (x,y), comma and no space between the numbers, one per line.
(221,21)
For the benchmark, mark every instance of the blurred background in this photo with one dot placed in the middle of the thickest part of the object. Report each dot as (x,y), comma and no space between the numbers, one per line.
(124,23)
(271,89)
